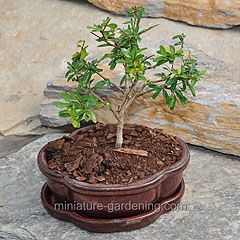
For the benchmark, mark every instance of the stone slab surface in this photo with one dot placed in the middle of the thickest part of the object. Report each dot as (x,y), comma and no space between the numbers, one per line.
(213,13)
(13,143)
(38,37)
(212,197)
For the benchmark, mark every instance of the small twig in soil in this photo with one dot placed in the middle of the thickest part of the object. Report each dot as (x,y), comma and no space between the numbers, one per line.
(132,151)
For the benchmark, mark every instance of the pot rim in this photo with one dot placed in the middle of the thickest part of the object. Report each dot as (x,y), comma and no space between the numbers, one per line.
(181,164)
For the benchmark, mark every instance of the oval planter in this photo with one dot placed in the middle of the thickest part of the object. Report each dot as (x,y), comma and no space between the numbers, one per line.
(159,186)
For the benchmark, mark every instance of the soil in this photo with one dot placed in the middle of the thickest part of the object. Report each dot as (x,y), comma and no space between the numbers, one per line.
(90,156)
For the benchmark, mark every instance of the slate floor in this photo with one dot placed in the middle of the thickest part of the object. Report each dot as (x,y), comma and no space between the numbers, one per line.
(212,197)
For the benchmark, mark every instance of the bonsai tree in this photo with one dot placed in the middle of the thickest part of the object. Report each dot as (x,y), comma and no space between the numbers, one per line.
(175,70)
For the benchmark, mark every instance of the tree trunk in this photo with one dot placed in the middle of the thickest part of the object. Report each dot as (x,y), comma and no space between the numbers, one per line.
(120,124)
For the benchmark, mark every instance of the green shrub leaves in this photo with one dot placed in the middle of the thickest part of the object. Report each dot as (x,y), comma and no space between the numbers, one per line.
(175,70)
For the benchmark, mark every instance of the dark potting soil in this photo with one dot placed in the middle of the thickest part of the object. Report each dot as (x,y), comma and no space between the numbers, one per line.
(90,156)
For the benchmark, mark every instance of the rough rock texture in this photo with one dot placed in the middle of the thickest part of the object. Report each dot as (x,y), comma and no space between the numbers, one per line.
(38,37)
(212,200)
(11,144)
(212,13)
(212,119)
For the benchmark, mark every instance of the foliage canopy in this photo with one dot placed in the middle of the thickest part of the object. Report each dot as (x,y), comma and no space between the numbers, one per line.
(176,71)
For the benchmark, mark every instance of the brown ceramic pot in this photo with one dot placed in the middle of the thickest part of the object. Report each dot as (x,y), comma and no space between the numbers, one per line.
(105,225)
(150,190)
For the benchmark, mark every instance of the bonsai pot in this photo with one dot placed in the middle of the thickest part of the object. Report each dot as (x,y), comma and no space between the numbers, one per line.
(111,180)
(151,190)
(105,225)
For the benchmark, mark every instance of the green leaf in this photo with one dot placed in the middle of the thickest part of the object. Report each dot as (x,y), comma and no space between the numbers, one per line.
(72,95)
(172,102)
(92,116)
(76,123)
(166,97)
(80,112)
(142,49)
(72,112)
(171,81)
(160,60)
(104,45)
(181,97)
(172,49)
(163,50)
(86,117)
(143,78)
(122,80)
(201,73)
(152,85)
(99,84)
(94,99)
(67,73)
(126,52)
(157,92)
(161,75)
(75,104)
(177,44)
(70,77)
(180,37)
(83,53)
(61,104)
(147,29)
(88,77)
(64,113)
(64,96)
(112,64)
(192,89)
(193,81)
(183,87)
(112,26)
(127,22)
(179,71)
(179,52)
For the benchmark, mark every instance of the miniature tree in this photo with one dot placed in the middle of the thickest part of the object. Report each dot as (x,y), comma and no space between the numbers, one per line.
(177,72)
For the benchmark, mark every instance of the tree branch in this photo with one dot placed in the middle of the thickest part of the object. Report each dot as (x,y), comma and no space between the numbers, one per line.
(147,58)
(137,94)
(105,40)
(145,92)
(95,34)
(157,81)
(127,95)
(106,103)
(107,79)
